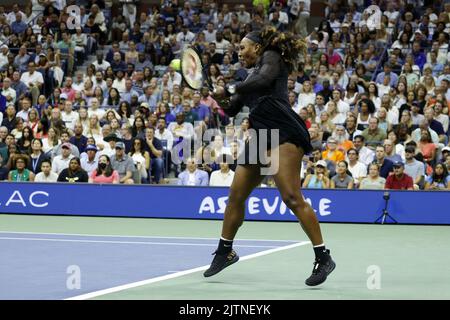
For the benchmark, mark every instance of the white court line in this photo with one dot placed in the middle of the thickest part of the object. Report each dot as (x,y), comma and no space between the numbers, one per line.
(176,275)
(144,237)
(130,242)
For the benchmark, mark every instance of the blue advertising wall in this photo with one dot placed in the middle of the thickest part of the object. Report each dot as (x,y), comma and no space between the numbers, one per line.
(358,206)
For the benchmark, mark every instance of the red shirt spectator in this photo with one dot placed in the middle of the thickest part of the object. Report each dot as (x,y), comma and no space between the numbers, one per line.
(399,180)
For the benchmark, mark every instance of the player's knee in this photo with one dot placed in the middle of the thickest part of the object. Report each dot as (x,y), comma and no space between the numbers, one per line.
(292,200)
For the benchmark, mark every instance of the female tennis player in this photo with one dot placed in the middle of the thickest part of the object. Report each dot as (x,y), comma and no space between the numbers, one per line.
(272,55)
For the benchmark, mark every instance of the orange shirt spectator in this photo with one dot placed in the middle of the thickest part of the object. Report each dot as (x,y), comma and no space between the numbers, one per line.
(332,153)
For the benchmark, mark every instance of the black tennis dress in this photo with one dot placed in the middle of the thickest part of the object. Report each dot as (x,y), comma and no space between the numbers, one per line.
(265,92)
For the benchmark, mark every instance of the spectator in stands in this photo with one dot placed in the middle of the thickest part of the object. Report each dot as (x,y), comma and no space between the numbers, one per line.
(46,174)
(332,153)
(399,180)
(357,168)
(390,151)
(366,111)
(154,147)
(342,180)
(386,166)
(387,71)
(373,180)
(33,80)
(319,179)
(74,173)
(141,159)
(89,159)
(36,155)
(414,168)
(61,162)
(373,135)
(193,176)
(224,176)
(439,179)
(19,172)
(104,173)
(123,164)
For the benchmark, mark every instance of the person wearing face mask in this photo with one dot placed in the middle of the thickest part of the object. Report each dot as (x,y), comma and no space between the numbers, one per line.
(104,173)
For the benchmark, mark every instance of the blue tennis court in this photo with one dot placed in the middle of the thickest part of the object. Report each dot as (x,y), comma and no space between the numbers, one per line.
(54,266)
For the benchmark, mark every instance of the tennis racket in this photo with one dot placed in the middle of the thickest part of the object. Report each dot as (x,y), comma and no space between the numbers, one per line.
(192,70)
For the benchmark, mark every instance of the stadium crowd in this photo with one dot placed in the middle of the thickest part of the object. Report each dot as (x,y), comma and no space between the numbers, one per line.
(375,94)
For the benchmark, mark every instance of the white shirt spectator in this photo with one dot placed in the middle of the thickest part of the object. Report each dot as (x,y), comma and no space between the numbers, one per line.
(34,78)
(23,114)
(119,85)
(175,78)
(343,107)
(366,156)
(222,46)
(11,93)
(167,136)
(101,66)
(306,98)
(11,17)
(185,130)
(41,177)
(358,171)
(284,18)
(100,113)
(59,164)
(210,36)
(70,119)
(185,39)
(218,178)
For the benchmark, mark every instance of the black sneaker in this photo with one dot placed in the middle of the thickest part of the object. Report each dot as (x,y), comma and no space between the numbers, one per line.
(321,271)
(220,262)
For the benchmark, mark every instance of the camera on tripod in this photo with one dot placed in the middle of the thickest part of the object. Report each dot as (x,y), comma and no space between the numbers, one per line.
(385,214)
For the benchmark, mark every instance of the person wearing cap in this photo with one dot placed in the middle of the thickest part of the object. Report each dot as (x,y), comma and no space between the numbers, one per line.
(414,168)
(319,179)
(399,180)
(61,162)
(445,152)
(90,162)
(65,138)
(123,164)
(314,51)
(4,51)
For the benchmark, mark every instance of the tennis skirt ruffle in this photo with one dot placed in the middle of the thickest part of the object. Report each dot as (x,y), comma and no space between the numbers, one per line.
(270,114)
